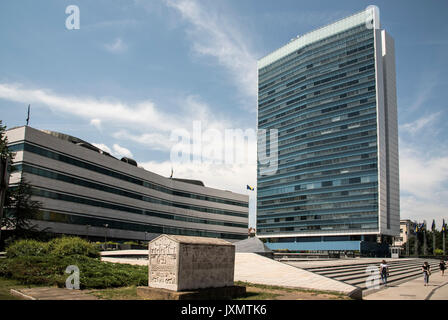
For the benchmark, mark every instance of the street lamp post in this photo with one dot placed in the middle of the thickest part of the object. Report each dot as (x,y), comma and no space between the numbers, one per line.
(87,231)
(416,244)
(407,243)
(105,234)
(443,242)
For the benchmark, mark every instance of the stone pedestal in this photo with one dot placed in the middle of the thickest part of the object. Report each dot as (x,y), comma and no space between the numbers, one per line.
(180,263)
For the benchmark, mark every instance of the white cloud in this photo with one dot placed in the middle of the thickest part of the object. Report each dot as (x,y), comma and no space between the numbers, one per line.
(120,151)
(117,150)
(423,184)
(415,126)
(96,123)
(217,36)
(426,87)
(155,141)
(103,147)
(117,46)
(143,114)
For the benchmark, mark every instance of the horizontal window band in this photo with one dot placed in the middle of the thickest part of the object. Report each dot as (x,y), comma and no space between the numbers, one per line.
(92,167)
(58,217)
(95,203)
(96,186)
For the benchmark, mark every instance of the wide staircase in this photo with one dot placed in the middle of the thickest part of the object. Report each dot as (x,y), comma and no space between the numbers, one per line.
(357,274)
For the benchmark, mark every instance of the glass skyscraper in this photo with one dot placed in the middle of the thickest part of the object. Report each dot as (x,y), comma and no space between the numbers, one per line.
(331,96)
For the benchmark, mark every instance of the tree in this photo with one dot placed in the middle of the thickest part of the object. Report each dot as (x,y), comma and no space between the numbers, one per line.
(5,153)
(5,157)
(20,209)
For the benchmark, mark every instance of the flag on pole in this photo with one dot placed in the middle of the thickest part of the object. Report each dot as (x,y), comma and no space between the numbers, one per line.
(443,226)
(416,227)
(423,226)
(250,188)
(433,226)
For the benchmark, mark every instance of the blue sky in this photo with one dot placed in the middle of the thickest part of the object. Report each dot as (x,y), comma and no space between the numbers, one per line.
(137,70)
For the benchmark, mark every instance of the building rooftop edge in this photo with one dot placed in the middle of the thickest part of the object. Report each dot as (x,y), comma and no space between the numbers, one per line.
(315,35)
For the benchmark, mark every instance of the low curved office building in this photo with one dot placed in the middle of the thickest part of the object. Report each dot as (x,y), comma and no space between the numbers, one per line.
(87,192)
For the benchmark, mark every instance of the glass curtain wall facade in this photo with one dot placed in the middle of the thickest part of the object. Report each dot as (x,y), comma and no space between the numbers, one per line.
(325,93)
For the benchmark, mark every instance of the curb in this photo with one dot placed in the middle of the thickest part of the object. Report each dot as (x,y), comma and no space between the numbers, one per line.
(356,294)
(19,294)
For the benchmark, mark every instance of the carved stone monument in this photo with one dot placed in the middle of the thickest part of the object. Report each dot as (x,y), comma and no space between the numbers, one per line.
(178,264)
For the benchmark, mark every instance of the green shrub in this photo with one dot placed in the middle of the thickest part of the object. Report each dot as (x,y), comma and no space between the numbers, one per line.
(438,252)
(26,248)
(72,246)
(132,243)
(94,274)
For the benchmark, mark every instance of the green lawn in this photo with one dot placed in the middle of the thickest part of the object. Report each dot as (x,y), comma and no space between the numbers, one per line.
(126,293)
(254,292)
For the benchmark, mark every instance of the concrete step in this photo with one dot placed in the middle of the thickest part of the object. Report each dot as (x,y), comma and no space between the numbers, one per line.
(348,277)
(355,274)
(357,265)
(362,273)
(331,271)
(391,281)
(363,265)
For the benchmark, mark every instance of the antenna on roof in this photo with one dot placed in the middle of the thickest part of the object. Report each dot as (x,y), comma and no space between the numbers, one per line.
(28,118)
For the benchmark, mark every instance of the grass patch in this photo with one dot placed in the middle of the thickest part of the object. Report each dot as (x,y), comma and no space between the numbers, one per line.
(126,293)
(279,291)
(6,285)
(259,296)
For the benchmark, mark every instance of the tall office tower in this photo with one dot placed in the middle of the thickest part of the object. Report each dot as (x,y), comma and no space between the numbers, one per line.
(331,95)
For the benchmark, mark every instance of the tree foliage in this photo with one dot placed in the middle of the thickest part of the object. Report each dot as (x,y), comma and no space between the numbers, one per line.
(4,150)
(20,208)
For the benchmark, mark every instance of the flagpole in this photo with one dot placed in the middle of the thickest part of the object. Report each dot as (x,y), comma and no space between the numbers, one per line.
(425,251)
(248,225)
(408,233)
(443,241)
(416,240)
(433,230)
(28,117)
(443,236)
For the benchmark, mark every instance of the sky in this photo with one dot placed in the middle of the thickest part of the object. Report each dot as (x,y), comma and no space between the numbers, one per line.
(138,72)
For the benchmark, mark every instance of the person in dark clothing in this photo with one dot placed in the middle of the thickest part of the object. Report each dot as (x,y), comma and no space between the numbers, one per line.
(426,269)
(384,271)
(442,266)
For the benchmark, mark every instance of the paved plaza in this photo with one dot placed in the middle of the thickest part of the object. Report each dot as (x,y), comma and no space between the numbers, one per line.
(415,290)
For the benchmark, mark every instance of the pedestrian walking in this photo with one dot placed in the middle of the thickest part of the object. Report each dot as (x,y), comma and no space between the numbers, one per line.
(442,266)
(384,271)
(426,269)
